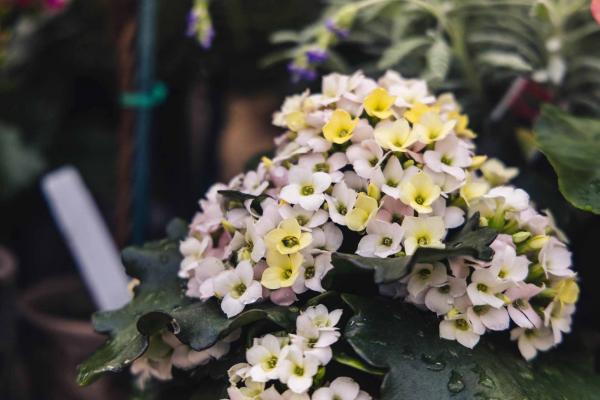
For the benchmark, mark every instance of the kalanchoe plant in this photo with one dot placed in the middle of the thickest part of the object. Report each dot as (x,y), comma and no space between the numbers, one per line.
(374,189)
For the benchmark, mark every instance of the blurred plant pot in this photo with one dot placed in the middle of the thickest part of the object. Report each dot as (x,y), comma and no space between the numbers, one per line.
(11,371)
(58,310)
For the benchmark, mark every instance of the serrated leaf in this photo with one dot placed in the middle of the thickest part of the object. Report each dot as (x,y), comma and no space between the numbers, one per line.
(160,303)
(394,54)
(502,59)
(572,145)
(471,240)
(422,366)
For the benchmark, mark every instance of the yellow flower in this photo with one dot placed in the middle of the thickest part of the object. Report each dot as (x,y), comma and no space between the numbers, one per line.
(295,120)
(340,126)
(462,123)
(496,173)
(379,103)
(473,189)
(282,271)
(395,136)
(423,232)
(567,291)
(363,210)
(431,127)
(419,192)
(287,238)
(416,112)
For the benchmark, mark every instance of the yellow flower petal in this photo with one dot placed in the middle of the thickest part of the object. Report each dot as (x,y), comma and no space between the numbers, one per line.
(379,103)
(340,127)
(363,210)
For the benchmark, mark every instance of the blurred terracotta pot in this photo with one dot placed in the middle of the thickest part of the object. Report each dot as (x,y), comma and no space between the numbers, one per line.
(61,337)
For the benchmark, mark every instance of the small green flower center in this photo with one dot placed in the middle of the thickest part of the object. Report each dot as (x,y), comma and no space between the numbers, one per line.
(461,324)
(321,167)
(240,289)
(343,133)
(309,272)
(386,241)
(480,309)
(342,209)
(446,160)
(419,200)
(271,362)
(298,370)
(286,273)
(373,161)
(392,183)
(424,273)
(423,241)
(290,241)
(302,220)
(520,303)
(307,190)
(444,289)
(482,287)
(502,274)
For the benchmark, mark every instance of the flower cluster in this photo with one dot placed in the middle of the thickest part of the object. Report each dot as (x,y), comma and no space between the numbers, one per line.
(199,24)
(390,164)
(296,361)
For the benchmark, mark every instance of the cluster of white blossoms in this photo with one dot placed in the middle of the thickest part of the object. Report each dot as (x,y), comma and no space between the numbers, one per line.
(296,361)
(395,165)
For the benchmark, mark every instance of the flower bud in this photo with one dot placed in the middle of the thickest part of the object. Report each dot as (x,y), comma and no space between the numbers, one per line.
(520,237)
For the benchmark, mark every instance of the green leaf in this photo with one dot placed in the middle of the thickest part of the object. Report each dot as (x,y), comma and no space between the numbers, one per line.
(502,59)
(394,54)
(421,366)
(160,303)
(471,240)
(438,60)
(572,145)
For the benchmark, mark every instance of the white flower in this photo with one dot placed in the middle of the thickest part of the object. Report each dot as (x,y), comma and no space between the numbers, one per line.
(306,219)
(201,284)
(252,391)
(192,250)
(342,388)
(340,202)
(254,183)
(519,309)
(559,316)
(185,357)
(145,368)
(321,318)
(389,179)
(365,157)
(312,271)
(238,372)
(423,232)
(411,92)
(251,245)
(441,299)
(317,162)
(450,156)
(290,395)
(395,135)
(457,327)
(509,198)
(328,238)
(382,239)
(306,188)
(314,341)
(265,357)
(238,288)
(297,370)
(453,216)
(488,317)
(426,275)
(508,266)
(532,340)
(555,258)
(484,287)
(496,173)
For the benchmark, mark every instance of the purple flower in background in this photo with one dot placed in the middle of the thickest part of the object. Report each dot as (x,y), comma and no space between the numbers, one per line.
(316,56)
(55,5)
(338,31)
(199,24)
(301,73)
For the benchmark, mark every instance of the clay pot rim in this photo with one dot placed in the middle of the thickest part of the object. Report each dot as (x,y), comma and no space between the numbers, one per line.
(8,265)
(52,322)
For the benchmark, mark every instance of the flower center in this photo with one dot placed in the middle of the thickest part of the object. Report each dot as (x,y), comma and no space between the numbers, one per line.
(502,274)
(286,273)
(392,183)
(271,362)
(307,190)
(373,161)
(424,273)
(482,287)
(419,200)
(239,289)
(444,289)
(386,241)
(461,324)
(309,272)
(290,241)
(446,160)
(302,219)
(342,209)
(520,303)
(298,370)
(423,241)
(321,167)
(479,310)
(343,133)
